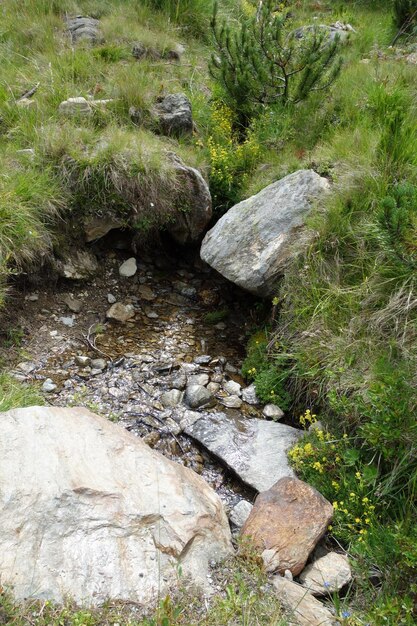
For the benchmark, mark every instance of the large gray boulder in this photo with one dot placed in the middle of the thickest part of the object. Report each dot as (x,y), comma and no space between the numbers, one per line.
(255,449)
(173,115)
(83,28)
(89,511)
(252,244)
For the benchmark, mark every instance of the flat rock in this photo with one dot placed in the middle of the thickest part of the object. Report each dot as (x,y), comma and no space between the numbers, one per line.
(240,513)
(328,574)
(231,402)
(256,450)
(199,379)
(303,608)
(77,265)
(128,268)
(73,304)
(272,411)
(76,106)
(120,312)
(97,227)
(171,398)
(286,523)
(197,396)
(253,243)
(89,511)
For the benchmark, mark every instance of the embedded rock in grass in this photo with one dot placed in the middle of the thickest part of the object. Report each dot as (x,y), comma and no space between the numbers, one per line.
(77,265)
(338,30)
(328,574)
(303,608)
(83,28)
(256,450)
(88,511)
(173,116)
(194,215)
(120,312)
(75,106)
(286,523)
(253,243)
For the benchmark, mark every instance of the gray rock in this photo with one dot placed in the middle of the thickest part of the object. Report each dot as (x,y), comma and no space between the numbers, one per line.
(33,297)
(303,608)
(272,411)
(202,359)
(213,387)
(337,30)
(82,360)
(233,388)
(48,386)
(83,28)
(99,364)
(173,115)
(256,450)
(171,398)
(77,265)
(190,224)
(100,515)
(327,575)
(67,321)
(240,513)
(249,395)
(178,381)
(73,304)
(27,367)
(111,299)
(197,396)
(231,402)
(199,379)
(120,312)
(76,106)
(128,268)
(253,243)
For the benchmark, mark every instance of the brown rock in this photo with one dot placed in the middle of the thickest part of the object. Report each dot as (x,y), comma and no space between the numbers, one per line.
(286,523)
(303,608)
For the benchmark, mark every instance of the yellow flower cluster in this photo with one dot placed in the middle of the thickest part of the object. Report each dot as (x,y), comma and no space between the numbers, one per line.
(356,514)
(308,418)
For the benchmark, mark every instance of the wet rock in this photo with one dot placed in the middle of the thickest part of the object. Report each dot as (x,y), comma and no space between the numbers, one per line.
(272,411)
(303,608)
(231,402)
(233,388)
(49,386)
(202,359)
(252,244)
(77,265)
(128,268)
(120,312)
(173,115)
(286,523)
(327,575)
(197,396)
(99,364)
(83,28)
(73,304)
(82,360)
(93,531)
(199,379)
(171,398)
(213,387)
(240,513)
(249,395)
(178,381)
(256,450)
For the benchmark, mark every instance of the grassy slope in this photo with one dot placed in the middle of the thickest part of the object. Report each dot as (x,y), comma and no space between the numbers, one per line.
(347,329)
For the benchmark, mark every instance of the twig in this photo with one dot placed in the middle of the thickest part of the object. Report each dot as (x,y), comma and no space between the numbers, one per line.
(92,343)
(29,93)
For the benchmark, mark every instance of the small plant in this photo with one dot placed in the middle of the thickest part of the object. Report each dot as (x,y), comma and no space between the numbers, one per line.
(264,61)
(214,317)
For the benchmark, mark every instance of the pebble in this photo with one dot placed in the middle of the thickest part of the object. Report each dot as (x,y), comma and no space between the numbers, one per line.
(249,395)
(120,312)
(171,398)
(48,386)
(111,299)
(128,268)
(73,304)
(82,360)
(98,364)
(67,321)
(231,402)
(203,359)
(33,297)
(273,411)
(233,388)
(240,513)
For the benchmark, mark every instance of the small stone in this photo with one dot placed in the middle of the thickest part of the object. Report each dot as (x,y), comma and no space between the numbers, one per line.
(231,402)
(82,360)
(120,312)
(146,293)
(178,382)
(203,359)
(111,299)
(249,395)
(233,388)
(199,379)
(220,326)
(73,304)
(26,366)
(230,369)
(152,315)
(197,396)
(128,268)
(273,411)
(240,513)
(48,386)
(75,106)
(303,608)
(67,321)
(328,574)
(171,398)
(33,297)
(213,387)
(99,364)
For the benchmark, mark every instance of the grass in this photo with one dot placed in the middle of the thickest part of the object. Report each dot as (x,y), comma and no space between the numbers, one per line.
(14,394)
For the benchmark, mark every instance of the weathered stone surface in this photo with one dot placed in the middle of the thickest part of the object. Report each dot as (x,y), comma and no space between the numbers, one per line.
(253,448)
(327,574)
(231,402)
(75,106)
(83,28)
(89,511)
(97,227)
(232,387)
(249,395)
(240,513)
(252,244)
(173,115)
(303,608)
(191,222)
(197,396)
(171,398)
(77,265)
(286,523)
(128,268)
(73,304)
(120,312)
(272,411)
